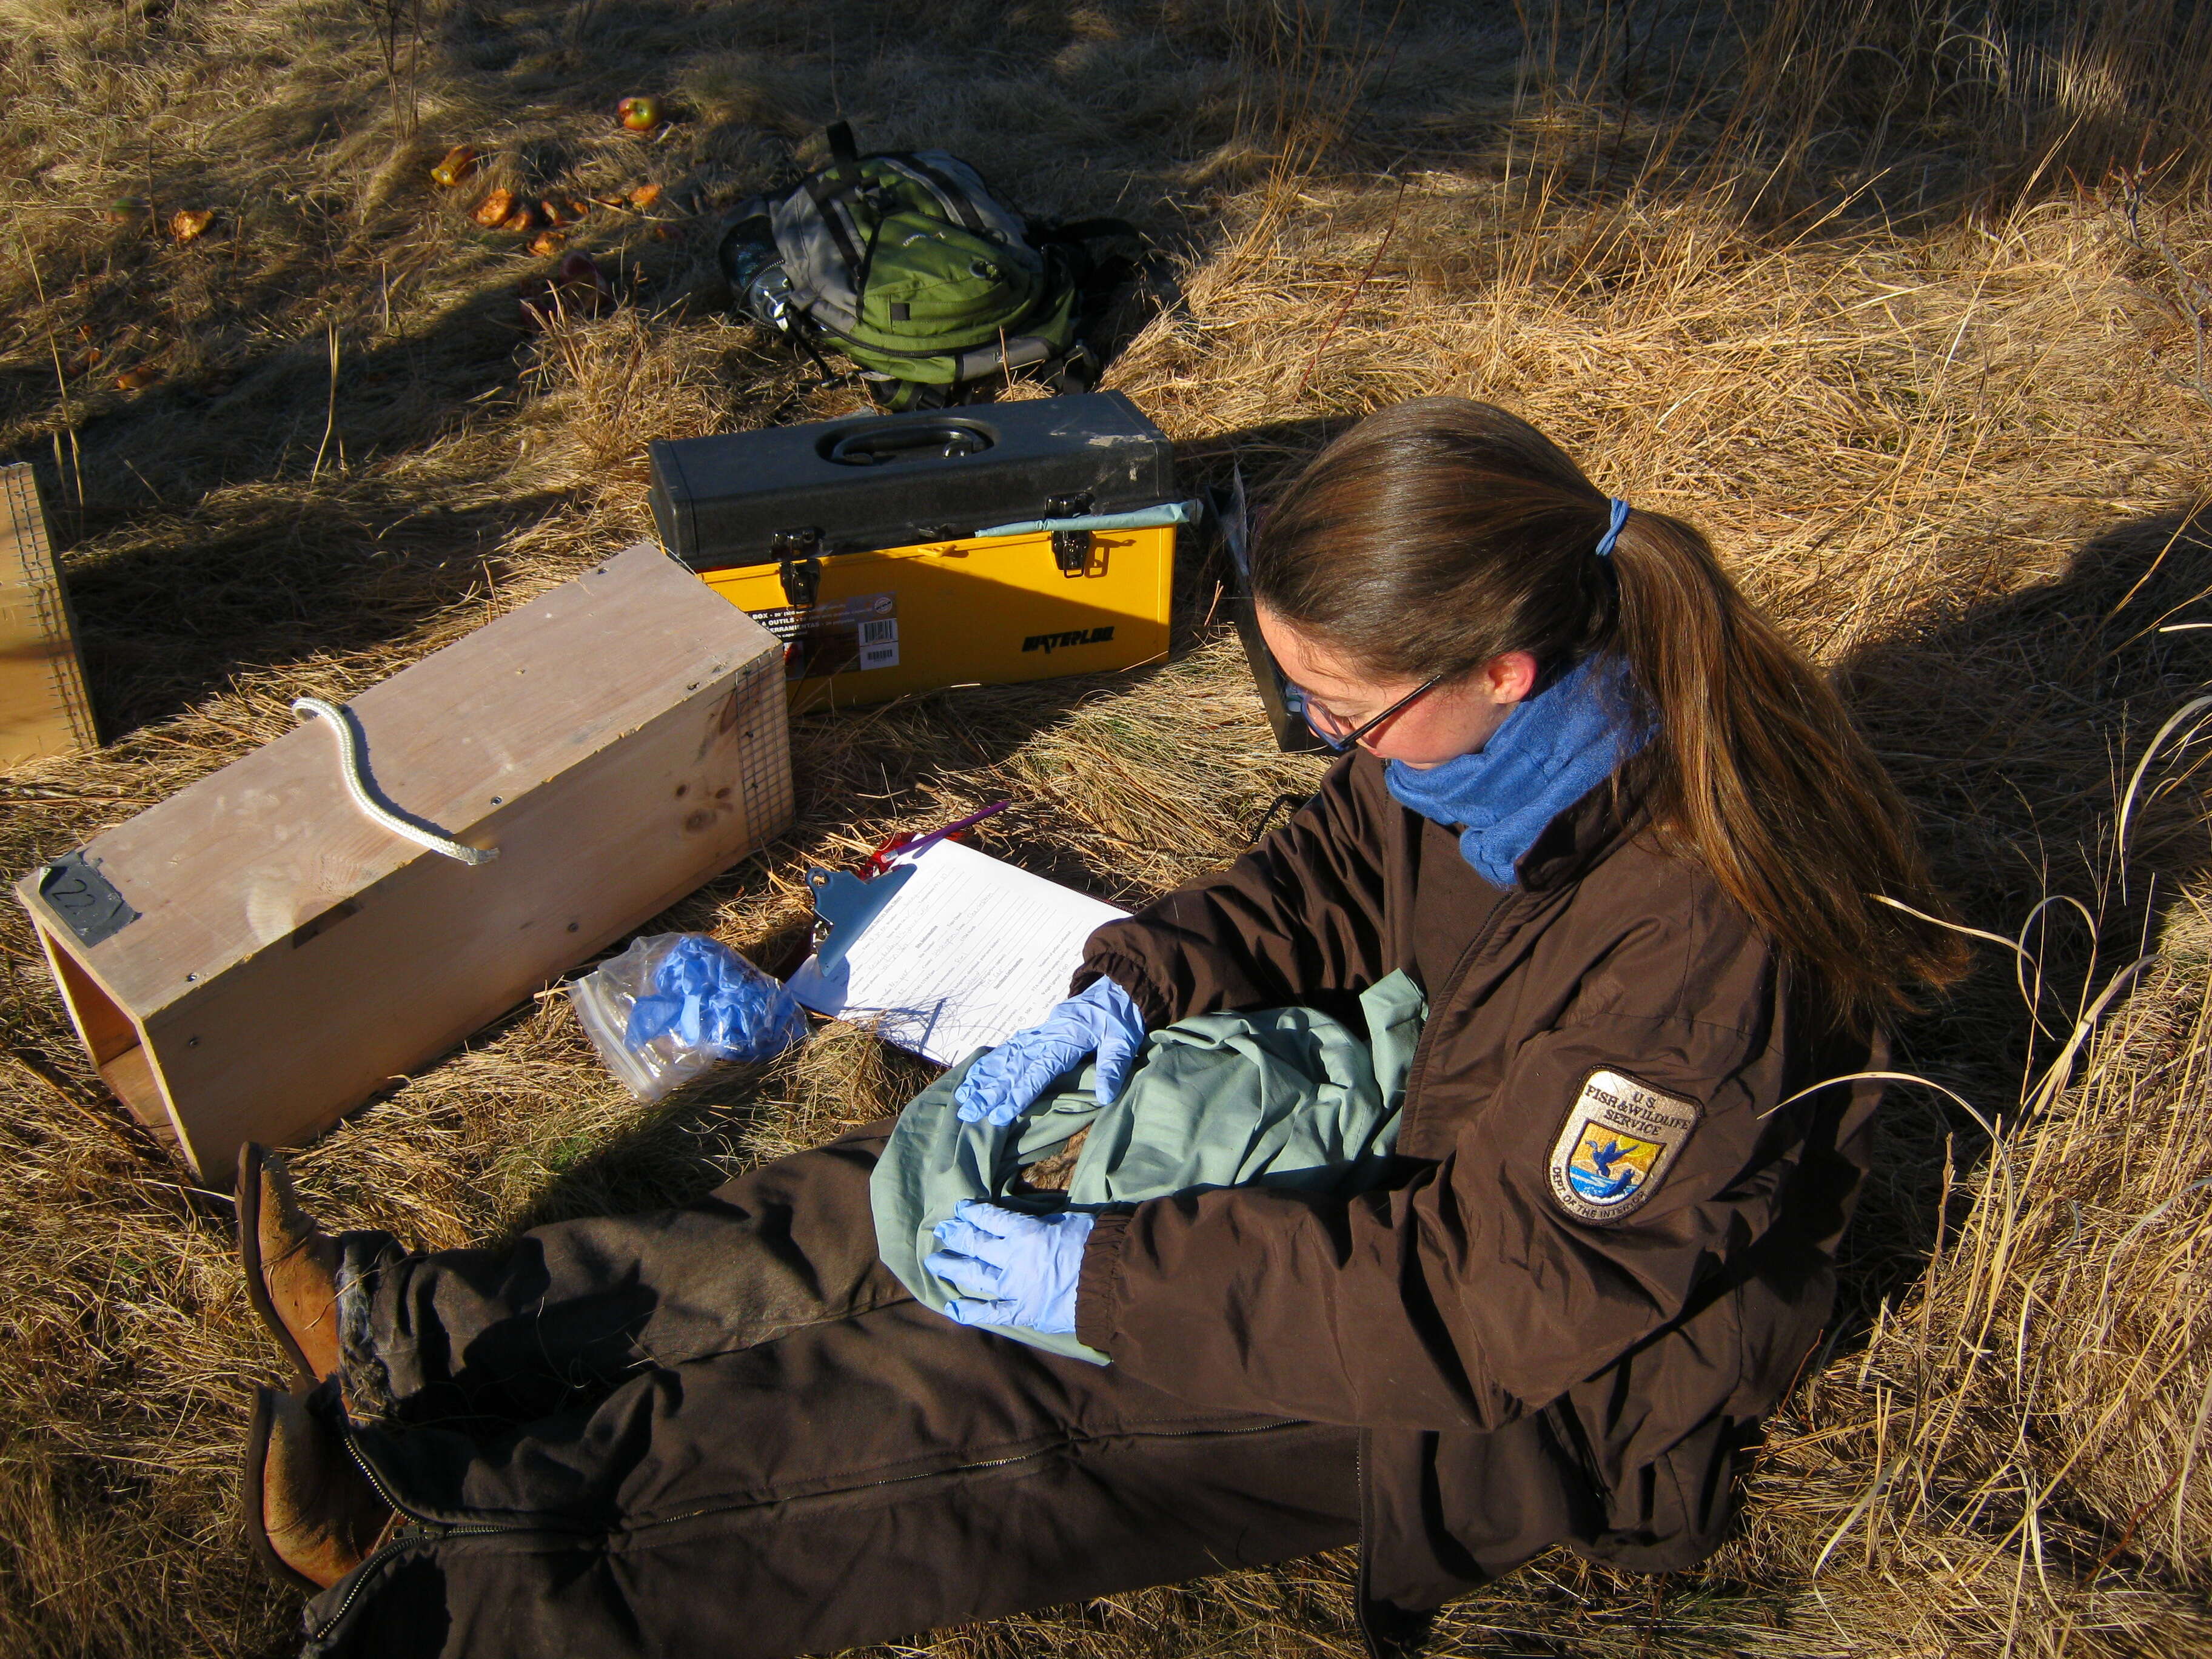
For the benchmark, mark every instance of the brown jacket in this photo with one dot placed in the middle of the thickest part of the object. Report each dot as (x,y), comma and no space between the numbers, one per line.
(1532,1365)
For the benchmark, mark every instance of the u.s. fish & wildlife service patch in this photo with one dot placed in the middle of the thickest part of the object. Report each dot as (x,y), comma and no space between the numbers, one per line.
(1619,1140)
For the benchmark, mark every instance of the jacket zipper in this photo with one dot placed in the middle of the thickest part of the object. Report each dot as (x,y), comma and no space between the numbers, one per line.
(970,1469)
(418,1530)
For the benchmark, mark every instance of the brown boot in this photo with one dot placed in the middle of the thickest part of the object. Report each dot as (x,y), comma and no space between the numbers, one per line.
(291,1264)
(311,1514)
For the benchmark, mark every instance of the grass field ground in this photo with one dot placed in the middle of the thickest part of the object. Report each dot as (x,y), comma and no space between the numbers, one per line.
(1906,303)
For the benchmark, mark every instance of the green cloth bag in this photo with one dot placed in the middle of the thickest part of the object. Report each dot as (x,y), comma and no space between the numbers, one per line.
(1284,1097)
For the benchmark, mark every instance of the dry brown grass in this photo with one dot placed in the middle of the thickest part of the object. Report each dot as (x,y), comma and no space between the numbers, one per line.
(1906,303)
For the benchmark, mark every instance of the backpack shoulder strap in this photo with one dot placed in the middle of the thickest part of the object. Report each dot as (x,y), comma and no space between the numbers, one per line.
(830,185)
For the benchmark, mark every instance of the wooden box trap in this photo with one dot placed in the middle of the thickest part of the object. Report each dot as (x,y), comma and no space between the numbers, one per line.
(255,955)
(901,553)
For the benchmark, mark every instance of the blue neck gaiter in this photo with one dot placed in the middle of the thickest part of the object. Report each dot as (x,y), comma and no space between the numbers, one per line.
(1551,750)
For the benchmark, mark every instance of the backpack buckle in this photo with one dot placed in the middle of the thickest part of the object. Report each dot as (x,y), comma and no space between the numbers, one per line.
(1071,549)
(799,565)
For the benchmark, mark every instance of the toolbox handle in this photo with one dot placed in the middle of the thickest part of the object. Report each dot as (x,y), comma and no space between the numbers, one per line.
(873,445)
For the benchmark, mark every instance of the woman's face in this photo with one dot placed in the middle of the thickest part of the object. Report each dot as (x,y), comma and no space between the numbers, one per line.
(1455,718)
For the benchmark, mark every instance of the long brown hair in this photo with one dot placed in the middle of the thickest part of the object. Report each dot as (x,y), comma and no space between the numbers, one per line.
(1437,534)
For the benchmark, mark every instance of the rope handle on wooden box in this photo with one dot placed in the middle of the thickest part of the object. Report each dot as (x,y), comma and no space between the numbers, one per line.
(354,770)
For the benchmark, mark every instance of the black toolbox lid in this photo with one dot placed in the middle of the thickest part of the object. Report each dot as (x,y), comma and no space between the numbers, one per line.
(878,481)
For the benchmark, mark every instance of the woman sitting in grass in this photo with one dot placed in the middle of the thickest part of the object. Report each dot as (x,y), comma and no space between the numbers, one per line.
(1628,847)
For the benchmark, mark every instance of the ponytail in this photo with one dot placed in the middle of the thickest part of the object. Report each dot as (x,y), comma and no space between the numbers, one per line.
(1756,771)
(1439,534)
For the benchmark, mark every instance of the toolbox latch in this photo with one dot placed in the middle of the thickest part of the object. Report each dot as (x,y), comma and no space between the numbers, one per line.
(798,563)
(1071,549)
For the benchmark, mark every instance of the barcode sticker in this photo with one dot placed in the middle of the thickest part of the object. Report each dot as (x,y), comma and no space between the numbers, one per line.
(836,636)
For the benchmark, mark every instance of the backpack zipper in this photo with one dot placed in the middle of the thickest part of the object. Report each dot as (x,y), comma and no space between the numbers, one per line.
(952,214)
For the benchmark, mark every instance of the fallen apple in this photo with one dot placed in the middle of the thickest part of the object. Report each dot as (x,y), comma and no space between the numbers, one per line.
(547,243)
(460,161)
(128,210)
(644,197)
(522,221)
(186,223)
(494,207)
(577,289)
(135,380)
(556,213)
(639,114)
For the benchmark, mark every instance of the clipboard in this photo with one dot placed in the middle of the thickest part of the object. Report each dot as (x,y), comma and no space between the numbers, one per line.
(949,950)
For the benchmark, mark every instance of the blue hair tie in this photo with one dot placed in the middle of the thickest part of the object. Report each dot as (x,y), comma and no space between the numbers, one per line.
(1613,530)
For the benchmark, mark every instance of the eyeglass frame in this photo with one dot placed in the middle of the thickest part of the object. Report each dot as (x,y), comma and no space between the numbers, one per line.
(1346,743)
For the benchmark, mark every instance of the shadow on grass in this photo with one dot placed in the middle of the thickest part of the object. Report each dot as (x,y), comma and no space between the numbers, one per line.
(2013,728)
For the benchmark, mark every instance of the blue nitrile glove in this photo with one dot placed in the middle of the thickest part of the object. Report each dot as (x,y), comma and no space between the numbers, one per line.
(712,998)
(1005,1083)
(1016,1269)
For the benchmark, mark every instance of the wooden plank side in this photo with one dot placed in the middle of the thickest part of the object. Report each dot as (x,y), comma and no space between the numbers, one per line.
(272,844)
(44,707)
(279,1047)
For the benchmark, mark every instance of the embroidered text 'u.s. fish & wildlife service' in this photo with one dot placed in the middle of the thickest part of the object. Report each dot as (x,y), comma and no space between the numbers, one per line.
(1619,1142)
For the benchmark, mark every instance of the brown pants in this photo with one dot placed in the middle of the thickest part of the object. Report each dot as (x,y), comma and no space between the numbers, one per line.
(727,1430)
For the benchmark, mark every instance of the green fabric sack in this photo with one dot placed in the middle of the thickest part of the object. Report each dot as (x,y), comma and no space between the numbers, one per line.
(1284,1097)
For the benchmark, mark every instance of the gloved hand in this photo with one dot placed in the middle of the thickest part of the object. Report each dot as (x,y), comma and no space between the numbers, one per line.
(1005,1083)
(1015,1269)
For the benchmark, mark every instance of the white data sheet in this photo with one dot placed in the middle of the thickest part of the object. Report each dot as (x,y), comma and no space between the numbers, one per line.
(966,952)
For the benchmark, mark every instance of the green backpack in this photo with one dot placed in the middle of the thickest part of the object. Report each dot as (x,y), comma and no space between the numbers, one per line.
(908,264)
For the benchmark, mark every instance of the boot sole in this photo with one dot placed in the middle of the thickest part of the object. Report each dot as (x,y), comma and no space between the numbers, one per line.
(253,1495)
(249,1255)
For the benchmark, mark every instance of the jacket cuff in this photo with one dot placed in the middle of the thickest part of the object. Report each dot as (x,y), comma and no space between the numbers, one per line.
(1098,1287)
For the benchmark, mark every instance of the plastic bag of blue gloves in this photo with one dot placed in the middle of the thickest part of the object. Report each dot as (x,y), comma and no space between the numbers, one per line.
(675,1006)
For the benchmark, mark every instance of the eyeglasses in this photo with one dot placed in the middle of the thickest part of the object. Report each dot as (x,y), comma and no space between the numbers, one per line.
(1339,733)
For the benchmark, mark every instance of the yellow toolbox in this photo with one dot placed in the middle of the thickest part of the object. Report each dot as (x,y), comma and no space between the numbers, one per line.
(902,553)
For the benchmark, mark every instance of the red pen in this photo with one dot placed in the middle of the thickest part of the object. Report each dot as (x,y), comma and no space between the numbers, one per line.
(879,860)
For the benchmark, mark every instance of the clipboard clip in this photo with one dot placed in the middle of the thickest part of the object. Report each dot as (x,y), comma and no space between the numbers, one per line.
(844,905)
(846,901)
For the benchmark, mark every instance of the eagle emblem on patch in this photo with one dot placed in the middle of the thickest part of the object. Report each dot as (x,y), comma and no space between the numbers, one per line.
(1619,1142)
